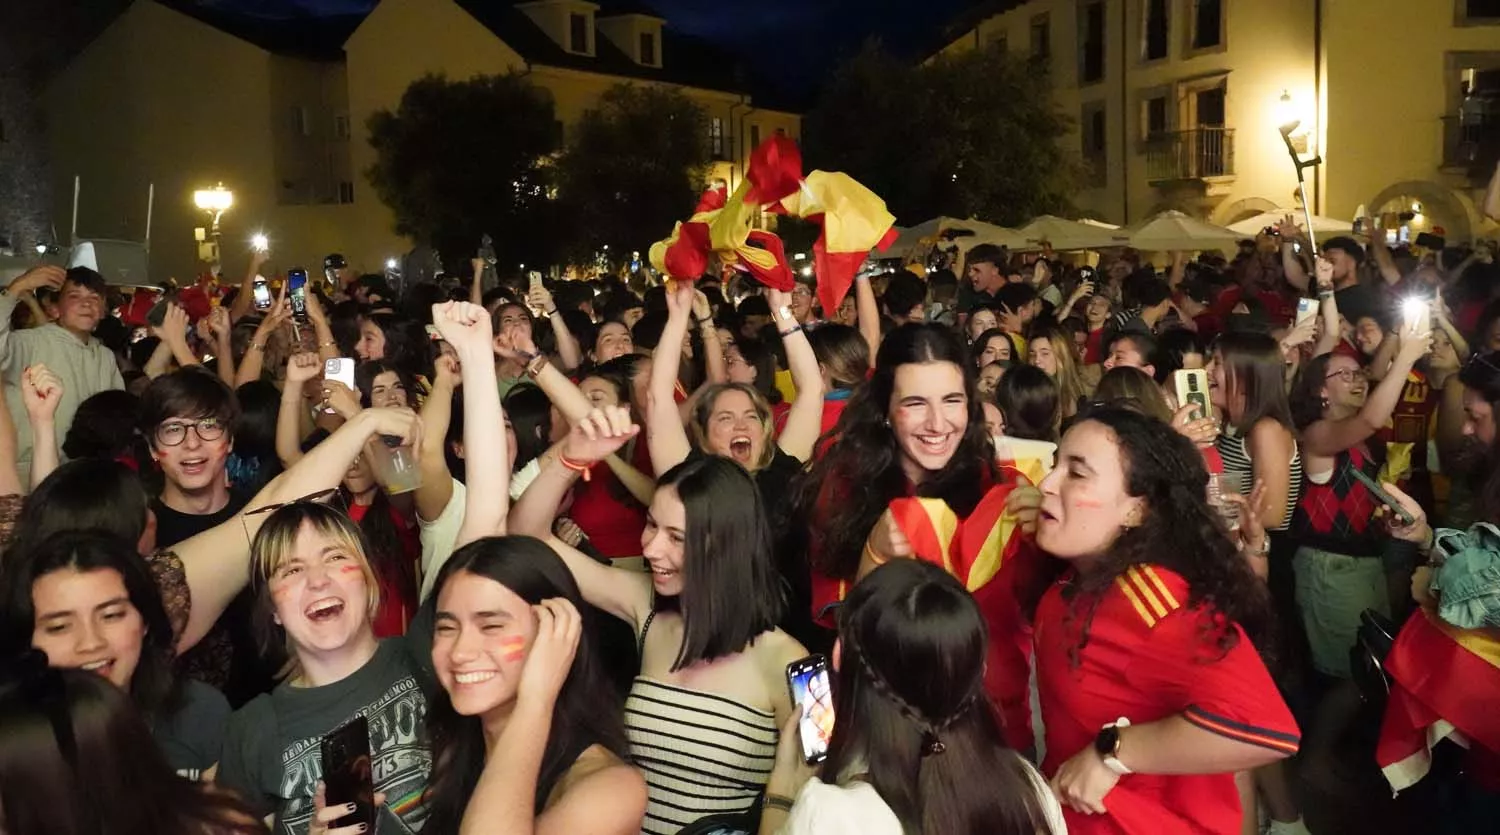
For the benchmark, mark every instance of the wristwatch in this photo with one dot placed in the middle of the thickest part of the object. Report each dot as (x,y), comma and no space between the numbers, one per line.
(1107,743)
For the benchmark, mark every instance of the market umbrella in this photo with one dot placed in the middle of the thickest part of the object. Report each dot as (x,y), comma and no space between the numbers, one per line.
(1173,230)
(913,239)
(1251,226)
(1064,234)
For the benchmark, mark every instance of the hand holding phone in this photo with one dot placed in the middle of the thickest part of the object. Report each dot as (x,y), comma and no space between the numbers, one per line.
(812,697)
(296,284)
(1383,496)
(1192,389)
(347,774)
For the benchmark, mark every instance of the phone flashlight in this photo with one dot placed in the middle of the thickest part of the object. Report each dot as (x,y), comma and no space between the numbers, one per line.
(259,242)
(1415,312)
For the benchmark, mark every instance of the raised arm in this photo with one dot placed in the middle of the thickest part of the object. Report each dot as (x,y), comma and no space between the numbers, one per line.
(220,331)
(868,311)
(716,370)
(467,328)
(41,391)
(568,351)
(624,594)
(665,435)
(1445,321)
(217,562)
(1291,263)
(22,288)
(437,413)
(514,343)
(1084,290)
(255,356)
(10,472)
(476,283)
(173,332)
(245,298)
(299,370)
(1382,254)
(804,422)
(328,348)
(1327,438)
(1328,308)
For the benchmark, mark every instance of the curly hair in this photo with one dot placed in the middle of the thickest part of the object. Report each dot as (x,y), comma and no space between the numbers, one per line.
(1179,531)
(841,497)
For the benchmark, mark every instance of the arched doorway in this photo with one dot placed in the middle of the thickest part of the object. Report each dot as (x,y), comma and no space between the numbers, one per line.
(1241,209)
(1433,205)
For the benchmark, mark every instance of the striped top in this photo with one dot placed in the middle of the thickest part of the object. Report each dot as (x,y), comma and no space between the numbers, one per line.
(701,754)
(1236,454)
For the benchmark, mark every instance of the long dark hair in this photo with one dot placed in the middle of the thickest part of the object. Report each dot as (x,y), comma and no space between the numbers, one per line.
(1027,399)
(1253,367)
(912,710)
(530,414)
(1179,531)
(89,493)
(731,591)
(76,758)
(585,713)
(1306,398)
(154,686)
(854,482)
(405,343)
(385,547)
(366,372)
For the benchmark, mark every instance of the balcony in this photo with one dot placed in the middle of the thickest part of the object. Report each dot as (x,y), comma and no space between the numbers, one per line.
(1471,149)
(1202,154)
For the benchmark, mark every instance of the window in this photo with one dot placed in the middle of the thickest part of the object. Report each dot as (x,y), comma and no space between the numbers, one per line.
(1481,8)
(1095,145)
(1091,43)
(346,192)
(995,39)
(578,33)
(1155,29)
(754,137)
(1154,116)
(301,126)
(1041,37)
(341,126)
(716,137)
(648,48)
(1208,24)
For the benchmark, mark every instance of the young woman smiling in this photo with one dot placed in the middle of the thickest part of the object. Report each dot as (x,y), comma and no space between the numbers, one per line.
(513,656)
(705,711)
(1147,635)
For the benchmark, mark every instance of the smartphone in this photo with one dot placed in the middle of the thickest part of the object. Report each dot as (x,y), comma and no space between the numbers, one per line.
(1382,495)
(812,696)
(1306,309)
(340,370)
(1418,314)
(346,772)
(536,279)
(1427,240)
(1192,388)
(262,293)
(296,290)
(157,315)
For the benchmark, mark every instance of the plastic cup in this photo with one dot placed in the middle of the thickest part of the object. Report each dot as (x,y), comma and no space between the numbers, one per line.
(395,465)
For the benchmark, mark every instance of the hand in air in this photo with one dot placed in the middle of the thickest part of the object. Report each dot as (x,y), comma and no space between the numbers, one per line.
(465,326)
(41,391)
(600,433)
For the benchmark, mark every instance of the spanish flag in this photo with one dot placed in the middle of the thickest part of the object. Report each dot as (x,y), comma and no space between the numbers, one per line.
(992,558)
(1444,686)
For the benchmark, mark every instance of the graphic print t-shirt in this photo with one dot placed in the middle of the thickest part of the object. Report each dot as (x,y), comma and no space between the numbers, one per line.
(272,754)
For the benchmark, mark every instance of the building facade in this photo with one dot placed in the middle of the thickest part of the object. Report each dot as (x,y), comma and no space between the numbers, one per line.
(1179,103)
(177,96)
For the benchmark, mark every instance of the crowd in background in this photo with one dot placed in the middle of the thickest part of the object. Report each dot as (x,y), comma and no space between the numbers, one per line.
(557,542)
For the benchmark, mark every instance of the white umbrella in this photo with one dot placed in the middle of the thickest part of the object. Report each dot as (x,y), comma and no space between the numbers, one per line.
(1251,226)
(924,235)
(1064,234)
(1173,230)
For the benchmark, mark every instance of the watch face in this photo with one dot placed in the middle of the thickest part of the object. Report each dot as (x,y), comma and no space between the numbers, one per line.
(1106,741)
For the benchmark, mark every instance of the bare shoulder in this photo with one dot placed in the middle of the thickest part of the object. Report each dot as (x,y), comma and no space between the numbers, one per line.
(778,649)
(598,780)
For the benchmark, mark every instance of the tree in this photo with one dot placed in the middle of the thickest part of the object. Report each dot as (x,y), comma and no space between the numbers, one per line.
(634,166)
(459,159)
(973,135)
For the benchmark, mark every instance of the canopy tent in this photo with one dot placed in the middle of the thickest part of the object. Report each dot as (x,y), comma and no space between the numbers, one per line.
(1251,226)
(1173,230)
(913,239)
(1064,234)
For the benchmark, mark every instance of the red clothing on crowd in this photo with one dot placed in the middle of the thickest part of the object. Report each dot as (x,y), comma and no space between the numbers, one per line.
(607,514)
(833,408)
(398,594)
(1093,347)
(1148,658)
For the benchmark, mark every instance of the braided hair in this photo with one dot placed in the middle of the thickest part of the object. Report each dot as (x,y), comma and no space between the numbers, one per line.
(1178,531)
(912,712)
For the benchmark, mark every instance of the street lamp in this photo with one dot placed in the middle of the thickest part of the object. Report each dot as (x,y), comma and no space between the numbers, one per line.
(1287,124)
(216,201)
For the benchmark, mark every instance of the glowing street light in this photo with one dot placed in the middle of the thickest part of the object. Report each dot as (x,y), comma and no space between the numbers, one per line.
(216,201)
(1287,120)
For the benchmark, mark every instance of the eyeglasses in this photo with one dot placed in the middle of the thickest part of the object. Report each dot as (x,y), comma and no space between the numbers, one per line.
(324,497)
(1348,375)
(172,434)
(802,290)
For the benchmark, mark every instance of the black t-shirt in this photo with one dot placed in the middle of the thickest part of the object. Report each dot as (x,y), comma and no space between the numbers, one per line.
(192,736)
(272,755)
(228,657)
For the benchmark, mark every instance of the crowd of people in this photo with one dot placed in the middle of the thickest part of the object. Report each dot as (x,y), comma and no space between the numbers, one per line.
(557,543)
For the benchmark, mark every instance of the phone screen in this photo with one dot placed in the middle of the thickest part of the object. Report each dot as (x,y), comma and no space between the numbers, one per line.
(347,773)
(812,694)
(1192,388)
(262,296)
(296,290)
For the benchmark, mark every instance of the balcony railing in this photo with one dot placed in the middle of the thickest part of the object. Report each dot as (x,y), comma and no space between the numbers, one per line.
(1197,154)
(1471,145)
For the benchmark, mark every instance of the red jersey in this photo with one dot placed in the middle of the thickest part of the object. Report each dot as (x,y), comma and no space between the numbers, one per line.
(398,594)
(1148,658)
(607,514)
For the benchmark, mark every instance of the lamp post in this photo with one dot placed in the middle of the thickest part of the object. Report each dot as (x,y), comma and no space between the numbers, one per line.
(216,201)
(1288,122)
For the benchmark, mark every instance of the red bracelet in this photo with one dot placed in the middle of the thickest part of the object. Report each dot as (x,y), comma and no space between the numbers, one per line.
(583,470)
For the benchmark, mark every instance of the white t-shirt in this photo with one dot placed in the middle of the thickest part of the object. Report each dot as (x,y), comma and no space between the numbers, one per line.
(440,535)
(855,808)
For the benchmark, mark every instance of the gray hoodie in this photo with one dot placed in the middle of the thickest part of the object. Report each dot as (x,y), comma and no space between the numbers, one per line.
(85,368)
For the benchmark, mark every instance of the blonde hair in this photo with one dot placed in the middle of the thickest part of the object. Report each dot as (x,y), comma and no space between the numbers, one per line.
(1071,387)
(701,408)
(275,543)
